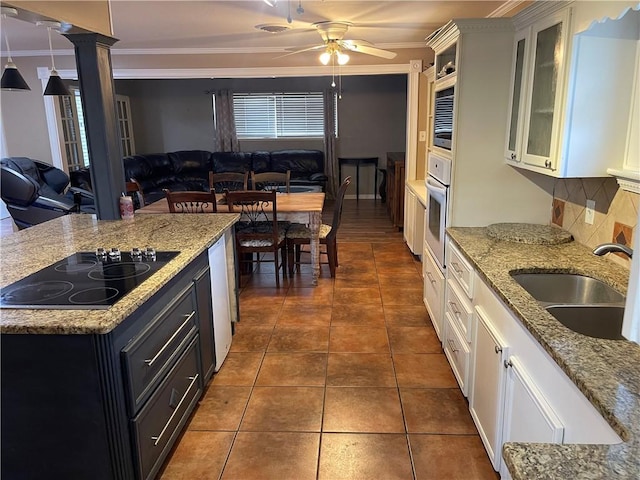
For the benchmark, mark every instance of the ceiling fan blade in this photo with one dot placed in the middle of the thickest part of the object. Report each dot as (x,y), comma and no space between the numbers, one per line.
(293,51)
(365,47)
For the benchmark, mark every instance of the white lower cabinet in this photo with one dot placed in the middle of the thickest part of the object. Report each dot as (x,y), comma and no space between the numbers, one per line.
(528,417)
(433,292)
(458,352)
(486,400)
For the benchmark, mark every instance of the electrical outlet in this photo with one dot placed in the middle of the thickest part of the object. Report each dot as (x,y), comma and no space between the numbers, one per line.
(589,213)
(423,136)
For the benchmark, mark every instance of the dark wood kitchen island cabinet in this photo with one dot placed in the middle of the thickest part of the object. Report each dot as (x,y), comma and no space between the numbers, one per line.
(106,404)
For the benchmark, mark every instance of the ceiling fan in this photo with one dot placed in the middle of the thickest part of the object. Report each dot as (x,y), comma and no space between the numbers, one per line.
(336,48)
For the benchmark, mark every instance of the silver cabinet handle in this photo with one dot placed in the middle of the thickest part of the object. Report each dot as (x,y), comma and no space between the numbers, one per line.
(547,163)
(156,440)
(508,363)
(151,361)
(497,349)
(454,308)
(456,268)
(431,279)
(452,345)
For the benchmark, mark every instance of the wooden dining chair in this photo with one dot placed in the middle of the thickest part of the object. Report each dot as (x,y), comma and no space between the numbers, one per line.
(221,182)
(134,189)
(256,232)
(298,234)
(271,181)
(191,202)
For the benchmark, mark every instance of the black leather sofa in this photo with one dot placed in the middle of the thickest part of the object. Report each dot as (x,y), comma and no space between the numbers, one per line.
(189,169)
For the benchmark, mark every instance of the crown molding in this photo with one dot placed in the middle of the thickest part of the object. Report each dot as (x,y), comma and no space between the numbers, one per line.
(196,51)
(506,8)
(258,72)
(447,35)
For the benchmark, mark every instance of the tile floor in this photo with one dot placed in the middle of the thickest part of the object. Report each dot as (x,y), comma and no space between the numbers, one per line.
(343,381)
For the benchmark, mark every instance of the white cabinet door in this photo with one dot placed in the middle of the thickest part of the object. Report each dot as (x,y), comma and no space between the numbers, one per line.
(545,91)
(410,219)
(220,297)
(487,390)
(433,292)
(528,417)
(518,87)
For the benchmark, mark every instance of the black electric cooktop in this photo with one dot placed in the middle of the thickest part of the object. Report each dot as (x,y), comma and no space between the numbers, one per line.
(85,280)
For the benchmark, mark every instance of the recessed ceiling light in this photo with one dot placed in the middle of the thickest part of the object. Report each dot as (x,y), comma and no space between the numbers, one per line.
(273,27)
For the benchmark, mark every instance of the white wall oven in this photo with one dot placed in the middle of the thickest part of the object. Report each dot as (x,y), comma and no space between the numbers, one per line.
(437,183)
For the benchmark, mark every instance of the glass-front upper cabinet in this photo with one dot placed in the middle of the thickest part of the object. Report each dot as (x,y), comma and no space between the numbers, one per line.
(514,131)
(541,121)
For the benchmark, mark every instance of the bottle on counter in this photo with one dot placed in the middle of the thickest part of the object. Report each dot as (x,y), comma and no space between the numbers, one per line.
(126,207)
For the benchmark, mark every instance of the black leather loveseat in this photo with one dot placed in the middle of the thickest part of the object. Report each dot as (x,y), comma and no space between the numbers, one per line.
(189,169)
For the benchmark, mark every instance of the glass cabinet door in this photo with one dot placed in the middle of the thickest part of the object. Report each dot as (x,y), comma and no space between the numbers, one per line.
(544,88)
(513,140)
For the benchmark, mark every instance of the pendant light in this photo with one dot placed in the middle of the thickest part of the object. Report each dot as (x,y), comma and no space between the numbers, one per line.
(55,85)
(11,78)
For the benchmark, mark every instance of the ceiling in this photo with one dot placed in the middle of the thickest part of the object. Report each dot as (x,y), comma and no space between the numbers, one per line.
(226,29)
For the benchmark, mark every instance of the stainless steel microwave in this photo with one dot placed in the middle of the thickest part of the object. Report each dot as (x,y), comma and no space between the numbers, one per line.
(443,118)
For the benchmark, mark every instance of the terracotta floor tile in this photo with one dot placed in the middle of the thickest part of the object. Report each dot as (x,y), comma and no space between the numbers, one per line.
(220,408)
(355,280)
(402,296)
(362,409)
(357,295)
(284,409)
(299,339)
(372,315)
(310,296)
(399,280)
(294,314)
(436,410)
(364,456)
(427,370)
(301,369)
(438,457)
(360,370)
(261,315)
(414,340)
(250,338)
(198,455)
(273,456)
(407,316)
(263,296)
(238,369)
(358,339)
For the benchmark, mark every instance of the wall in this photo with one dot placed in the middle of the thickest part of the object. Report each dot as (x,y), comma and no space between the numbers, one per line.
(171,115)
(616,212)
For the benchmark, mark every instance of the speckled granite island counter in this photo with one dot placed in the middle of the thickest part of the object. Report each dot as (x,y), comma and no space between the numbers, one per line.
(607,372)
(104,393)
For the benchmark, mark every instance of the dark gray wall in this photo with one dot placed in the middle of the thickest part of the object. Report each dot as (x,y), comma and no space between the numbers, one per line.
(170,115)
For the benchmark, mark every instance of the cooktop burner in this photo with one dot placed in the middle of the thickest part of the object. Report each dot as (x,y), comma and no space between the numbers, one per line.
(85,280)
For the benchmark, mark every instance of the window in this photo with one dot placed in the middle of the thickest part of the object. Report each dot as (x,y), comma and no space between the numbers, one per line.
(277,115)
(74,139)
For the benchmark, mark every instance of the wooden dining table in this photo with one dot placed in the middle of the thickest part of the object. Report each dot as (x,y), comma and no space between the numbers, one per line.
(303,208)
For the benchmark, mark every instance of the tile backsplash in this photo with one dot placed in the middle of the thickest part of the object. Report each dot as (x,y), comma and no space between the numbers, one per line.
(616,212)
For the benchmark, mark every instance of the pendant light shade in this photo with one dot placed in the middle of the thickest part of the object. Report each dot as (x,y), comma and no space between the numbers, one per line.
(11,78)
(55,85)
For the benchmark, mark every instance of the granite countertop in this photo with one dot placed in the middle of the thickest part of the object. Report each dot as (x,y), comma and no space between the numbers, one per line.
(32,249)
(607,372)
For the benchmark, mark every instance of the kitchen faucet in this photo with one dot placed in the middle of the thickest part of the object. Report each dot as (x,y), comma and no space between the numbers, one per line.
(613,247)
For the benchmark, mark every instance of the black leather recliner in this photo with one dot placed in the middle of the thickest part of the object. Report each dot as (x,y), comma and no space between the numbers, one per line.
(35,192)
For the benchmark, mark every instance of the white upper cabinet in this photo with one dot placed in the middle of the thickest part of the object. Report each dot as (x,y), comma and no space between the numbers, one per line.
(571,90)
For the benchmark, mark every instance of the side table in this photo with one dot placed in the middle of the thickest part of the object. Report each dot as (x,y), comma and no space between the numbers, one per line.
(357,161)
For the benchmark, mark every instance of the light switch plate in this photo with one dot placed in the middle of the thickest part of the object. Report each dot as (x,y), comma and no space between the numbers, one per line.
(423,136)
(589,213)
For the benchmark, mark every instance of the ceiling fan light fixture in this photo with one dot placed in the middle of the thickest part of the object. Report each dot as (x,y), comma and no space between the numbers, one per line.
(343,58)
(325,57)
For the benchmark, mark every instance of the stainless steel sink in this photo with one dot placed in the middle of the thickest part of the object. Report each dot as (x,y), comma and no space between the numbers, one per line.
(599,321)
(567,288)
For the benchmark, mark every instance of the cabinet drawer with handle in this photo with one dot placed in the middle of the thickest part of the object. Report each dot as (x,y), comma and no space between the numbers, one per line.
(159,423)
(460,309)
(148,357)
(460,269)
(458,353)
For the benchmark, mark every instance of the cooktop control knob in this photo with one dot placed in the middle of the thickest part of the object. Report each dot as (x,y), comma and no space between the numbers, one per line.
(149,253)
(136,254)
(101,254)
(114,254)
